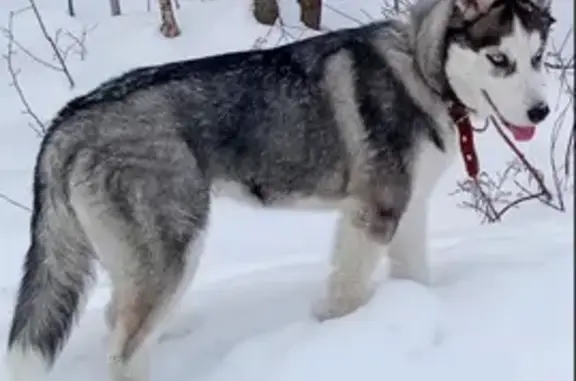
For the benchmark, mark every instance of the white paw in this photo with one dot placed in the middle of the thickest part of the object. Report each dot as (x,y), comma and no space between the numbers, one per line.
(340,301)
(120,370)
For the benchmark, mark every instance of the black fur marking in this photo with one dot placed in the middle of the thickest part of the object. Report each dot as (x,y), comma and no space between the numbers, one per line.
(489,28)
(120,87)
(382,125)
(257,191)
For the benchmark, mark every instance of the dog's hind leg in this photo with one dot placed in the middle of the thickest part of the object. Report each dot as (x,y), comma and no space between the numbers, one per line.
(142,304)
(146,223)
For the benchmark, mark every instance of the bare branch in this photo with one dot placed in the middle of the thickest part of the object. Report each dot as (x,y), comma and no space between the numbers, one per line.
(52,44)
(14,202)
(343,14)
(38,125)
(523,159)
(78,43)
(9,36)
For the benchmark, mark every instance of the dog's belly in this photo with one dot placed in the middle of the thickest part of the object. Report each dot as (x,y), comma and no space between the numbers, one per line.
(241,194)
(430,165)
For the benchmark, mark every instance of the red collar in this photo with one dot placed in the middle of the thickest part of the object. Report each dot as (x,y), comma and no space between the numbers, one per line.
(466,137)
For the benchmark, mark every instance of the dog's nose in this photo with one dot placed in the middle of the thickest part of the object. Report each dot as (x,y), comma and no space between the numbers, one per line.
(538,112)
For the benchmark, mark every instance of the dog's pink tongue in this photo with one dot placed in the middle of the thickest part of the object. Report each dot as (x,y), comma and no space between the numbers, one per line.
(522,133)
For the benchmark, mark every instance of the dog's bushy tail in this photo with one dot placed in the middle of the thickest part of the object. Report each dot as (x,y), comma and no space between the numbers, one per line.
(57,270)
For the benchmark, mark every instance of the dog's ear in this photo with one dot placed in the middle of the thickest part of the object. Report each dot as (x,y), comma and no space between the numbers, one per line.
(543,4)
(470,9)
(540,8)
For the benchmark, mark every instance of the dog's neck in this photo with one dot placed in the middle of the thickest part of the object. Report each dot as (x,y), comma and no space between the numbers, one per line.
(460,115)
(429,57)
(421,70)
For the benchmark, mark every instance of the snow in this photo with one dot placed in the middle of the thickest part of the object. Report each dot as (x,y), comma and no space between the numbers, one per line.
(500,307)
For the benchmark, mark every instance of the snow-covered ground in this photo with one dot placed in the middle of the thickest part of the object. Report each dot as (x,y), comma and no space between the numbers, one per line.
(501,304)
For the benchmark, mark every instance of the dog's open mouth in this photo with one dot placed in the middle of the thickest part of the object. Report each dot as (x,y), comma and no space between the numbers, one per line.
(520,133)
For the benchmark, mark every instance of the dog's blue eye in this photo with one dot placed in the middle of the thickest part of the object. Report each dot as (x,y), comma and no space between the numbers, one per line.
(499,60)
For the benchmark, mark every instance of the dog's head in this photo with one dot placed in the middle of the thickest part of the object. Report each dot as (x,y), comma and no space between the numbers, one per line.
(494,60)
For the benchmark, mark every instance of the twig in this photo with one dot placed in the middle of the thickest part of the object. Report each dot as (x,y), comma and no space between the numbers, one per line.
(40,128)
(490,208)
(569,152)
(78,44)
(52,44)
(368,15)
(9,36)
(555,66)
(14,202)
(554,137)
(343,14)
(523,159)
(498,216)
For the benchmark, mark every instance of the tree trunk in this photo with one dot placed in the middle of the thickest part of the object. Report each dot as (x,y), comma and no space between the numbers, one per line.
(71,11)
(169,27)
(266,11)
(115,7)
(311,13)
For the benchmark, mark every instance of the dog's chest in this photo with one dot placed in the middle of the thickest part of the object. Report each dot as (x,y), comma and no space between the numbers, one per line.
(430,163)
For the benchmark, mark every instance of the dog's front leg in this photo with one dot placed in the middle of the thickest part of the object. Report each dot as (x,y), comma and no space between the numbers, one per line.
(362,239)
(408,250)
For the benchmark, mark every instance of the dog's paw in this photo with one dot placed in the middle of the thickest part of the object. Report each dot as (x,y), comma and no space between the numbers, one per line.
(336,306)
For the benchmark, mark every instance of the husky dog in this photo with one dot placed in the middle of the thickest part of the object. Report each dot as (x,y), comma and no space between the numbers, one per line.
(358,119)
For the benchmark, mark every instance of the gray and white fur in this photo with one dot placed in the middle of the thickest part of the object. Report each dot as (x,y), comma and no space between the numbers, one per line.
(355,119)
